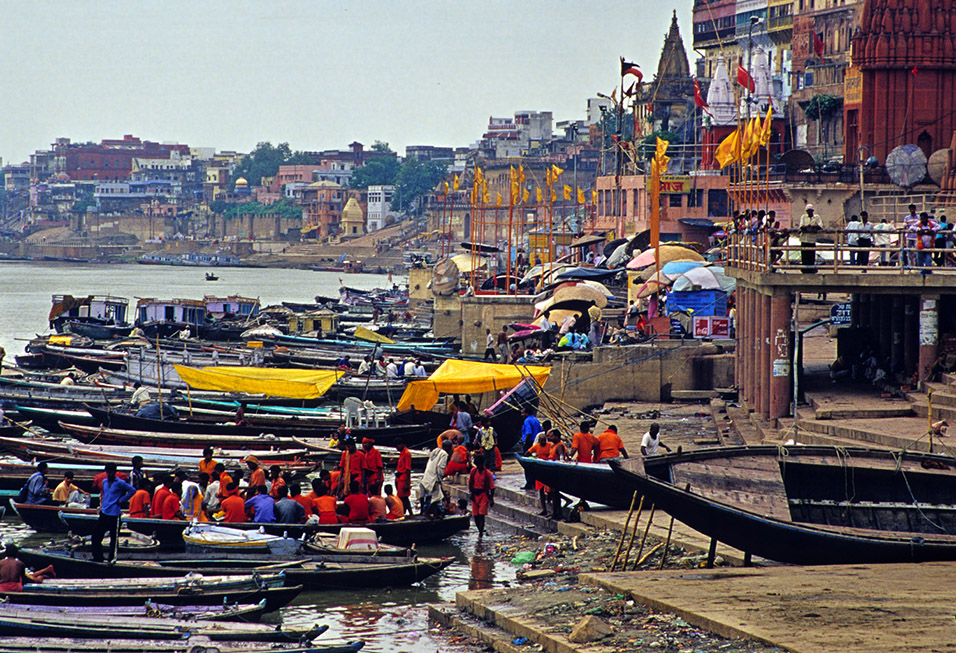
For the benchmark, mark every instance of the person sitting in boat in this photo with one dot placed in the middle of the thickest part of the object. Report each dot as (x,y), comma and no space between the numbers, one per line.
(365,366)
(651,443)
(357,505)
(68,493)
(288,511)
(372,466)
(257,476)
(324,504)
(208,464)
(377,508)
(163,482)
(240,418)
(261,507)
(233,507)
(344,363)
(420,369)
(139,502)
(140,395)
(210,496)
(295,493)
(408,368)
(13,573)
(137,473)
(460,461)
(190,496)
(172,505)
(276,481)
(37,487)
(395,505)
(391,370)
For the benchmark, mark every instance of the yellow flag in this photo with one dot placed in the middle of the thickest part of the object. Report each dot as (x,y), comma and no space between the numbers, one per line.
(537,195)
(521,177)
(555,172)
(457,184)
(660,155)
(554,197)
(515,190)
(547,176)
(729,149)
(581,199)
(525,196)
(498,200)
(765,131)
(484,193)
(593,197)
(567,192)
(446,188)
(751,139)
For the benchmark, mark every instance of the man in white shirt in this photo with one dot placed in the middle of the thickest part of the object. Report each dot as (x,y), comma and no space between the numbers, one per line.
(651,443)
(391,370)
(420,369)
(140,395)
(810,224)
(409,370)
(429,488)
(364,367)
(882,239)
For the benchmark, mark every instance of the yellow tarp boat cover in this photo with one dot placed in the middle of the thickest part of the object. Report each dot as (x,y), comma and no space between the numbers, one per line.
(467,377)
(364,333)
(268,381)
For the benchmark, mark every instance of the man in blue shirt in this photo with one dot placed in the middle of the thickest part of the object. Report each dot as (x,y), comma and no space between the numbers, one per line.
(529,431)
(115,492)
(461,421)
(38,491)
(262,506)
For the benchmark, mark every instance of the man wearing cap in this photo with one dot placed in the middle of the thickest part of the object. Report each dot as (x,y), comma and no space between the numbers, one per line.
(810,224)
(115,491)
(372,467)
(257,477)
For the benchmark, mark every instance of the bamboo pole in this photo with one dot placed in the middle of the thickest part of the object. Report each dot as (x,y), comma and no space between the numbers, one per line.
(630,542)
(620,543)
(647,529)
(667,543)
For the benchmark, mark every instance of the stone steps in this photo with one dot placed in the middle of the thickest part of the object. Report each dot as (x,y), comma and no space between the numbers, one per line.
(806,437)
(939,411)
(511,513)
(862,437)
(494,638)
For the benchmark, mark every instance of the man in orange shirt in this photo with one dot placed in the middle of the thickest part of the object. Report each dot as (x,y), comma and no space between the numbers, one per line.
(257,476)
(159,496)
(276,481)
(459,463)
(610,444)
(139,502)
(542,449)
(396,506)
(403,476)
(295,493)
(583,443)
(233,507)
(172,506)
(207,464)
(372,467)
(351,464)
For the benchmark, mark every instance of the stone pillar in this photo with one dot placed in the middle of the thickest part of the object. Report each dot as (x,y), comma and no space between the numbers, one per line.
(928,333)
(875,314)
(910,336)
(744,319)
(755,353)
(896,343)
(781,356)
(763,377)
(855,312)
(886,327)
(862,310)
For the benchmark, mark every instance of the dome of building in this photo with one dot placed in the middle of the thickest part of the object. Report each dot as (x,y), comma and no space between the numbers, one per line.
(352,212)
(62,177)
(241,181)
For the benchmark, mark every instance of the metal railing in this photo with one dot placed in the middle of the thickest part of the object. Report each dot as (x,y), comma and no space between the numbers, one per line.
(780,250)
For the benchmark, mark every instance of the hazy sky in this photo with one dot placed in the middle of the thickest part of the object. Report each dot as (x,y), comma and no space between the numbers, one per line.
(316,74)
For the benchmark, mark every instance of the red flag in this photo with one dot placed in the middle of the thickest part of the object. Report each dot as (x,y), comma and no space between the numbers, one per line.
(628,68)
(630,89)
(745,80)
(818,45)
(915,70)
(699,99)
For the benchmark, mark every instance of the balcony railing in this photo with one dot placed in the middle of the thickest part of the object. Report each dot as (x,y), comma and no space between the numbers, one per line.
(781,251)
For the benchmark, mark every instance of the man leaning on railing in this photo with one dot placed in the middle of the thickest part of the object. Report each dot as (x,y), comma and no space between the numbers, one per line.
(809,225)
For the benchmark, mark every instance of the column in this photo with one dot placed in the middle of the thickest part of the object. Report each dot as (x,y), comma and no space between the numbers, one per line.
(744,345)
(896,340)
(875,320)
(862,310)
(855,310)
(886,327)
(781,356)
(928,327)
(756,394)
(763,376)
(910,336)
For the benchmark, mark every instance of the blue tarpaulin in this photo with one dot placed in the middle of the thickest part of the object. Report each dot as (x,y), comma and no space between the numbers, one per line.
(698,302)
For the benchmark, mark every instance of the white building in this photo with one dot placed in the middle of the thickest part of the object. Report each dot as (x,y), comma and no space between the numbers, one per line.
(380,207)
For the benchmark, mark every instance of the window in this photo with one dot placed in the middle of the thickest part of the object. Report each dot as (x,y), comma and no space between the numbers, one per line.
(675,201)
(695,199)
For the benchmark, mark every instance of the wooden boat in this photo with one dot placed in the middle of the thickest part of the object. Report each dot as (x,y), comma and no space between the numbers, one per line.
(121,428)
(182,590)
(594,482)
(217,539)
(313,572)
(97,330)
(211,277)
(45,518)
(402,532)
(196,643)
(808,504)
(149,608)
(50,418)
(17,621)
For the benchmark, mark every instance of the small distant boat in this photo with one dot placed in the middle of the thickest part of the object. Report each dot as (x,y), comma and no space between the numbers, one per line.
(212,538)
(211,277)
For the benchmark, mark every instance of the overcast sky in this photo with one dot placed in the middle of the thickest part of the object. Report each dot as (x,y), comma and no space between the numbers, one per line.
(316,74)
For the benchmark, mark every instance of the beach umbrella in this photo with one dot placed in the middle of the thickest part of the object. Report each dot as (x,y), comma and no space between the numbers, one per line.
(600,287)
(558,315)
(677,268)
(466,263)
(580,292)
(668,253)
(651,288)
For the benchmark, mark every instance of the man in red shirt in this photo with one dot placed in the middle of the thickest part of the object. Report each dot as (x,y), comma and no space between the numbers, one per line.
(481,487)
(372,467)
(357,504)
(403,476)
(257,476)
(172,506)
(295,493)
(159,496)
(139,502)
(351,464)
(583,443)
(233,507)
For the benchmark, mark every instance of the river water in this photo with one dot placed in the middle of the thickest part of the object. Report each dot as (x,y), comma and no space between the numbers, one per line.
(389,620)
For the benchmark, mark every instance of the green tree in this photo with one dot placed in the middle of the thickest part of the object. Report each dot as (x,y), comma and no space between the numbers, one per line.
(415,179)
(822,106)
(264,161)
(382,146)
(380,171)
